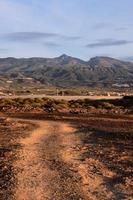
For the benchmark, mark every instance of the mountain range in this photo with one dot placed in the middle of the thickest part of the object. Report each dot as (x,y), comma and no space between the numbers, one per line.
(67,71)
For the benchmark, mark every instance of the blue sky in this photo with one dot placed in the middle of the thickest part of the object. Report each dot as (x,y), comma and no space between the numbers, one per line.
(79,28)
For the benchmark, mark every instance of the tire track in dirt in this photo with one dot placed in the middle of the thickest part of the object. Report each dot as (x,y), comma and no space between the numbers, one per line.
(41,172)
(65,161)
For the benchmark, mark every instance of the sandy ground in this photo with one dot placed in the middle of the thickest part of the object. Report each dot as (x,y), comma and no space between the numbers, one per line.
(63,97)
(41,169)
(65,161)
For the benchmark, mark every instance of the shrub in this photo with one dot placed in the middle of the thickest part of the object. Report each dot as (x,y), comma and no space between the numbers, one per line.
(107,105)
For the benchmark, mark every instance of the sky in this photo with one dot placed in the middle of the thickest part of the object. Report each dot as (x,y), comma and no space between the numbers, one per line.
(79,28)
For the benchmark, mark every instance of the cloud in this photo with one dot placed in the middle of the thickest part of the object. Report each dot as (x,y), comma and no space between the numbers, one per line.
(51,44)
(36,36)
(28,36)
(108,42)
(104,25)
(71,37)
(101,25)
(129,58)
(3,50)
(121,29)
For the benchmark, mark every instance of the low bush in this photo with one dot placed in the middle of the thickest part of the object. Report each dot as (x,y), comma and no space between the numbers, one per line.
(52,104)
(107,105)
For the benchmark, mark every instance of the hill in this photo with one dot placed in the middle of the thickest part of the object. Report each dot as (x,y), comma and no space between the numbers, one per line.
(66,71)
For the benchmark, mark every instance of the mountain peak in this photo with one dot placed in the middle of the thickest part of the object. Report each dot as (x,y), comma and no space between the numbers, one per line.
(64,56)
(67,71)
(105,61)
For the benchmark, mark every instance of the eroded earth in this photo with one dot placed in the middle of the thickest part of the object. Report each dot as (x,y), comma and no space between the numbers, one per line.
(59,160)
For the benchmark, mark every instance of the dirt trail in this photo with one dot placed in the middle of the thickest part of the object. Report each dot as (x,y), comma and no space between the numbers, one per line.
(41,170)
(58,161)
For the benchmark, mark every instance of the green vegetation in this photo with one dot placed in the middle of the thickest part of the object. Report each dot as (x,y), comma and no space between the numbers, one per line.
(52,105)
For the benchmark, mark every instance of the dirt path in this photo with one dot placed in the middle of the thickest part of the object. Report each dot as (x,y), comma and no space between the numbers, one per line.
(58,161)
(41,170)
